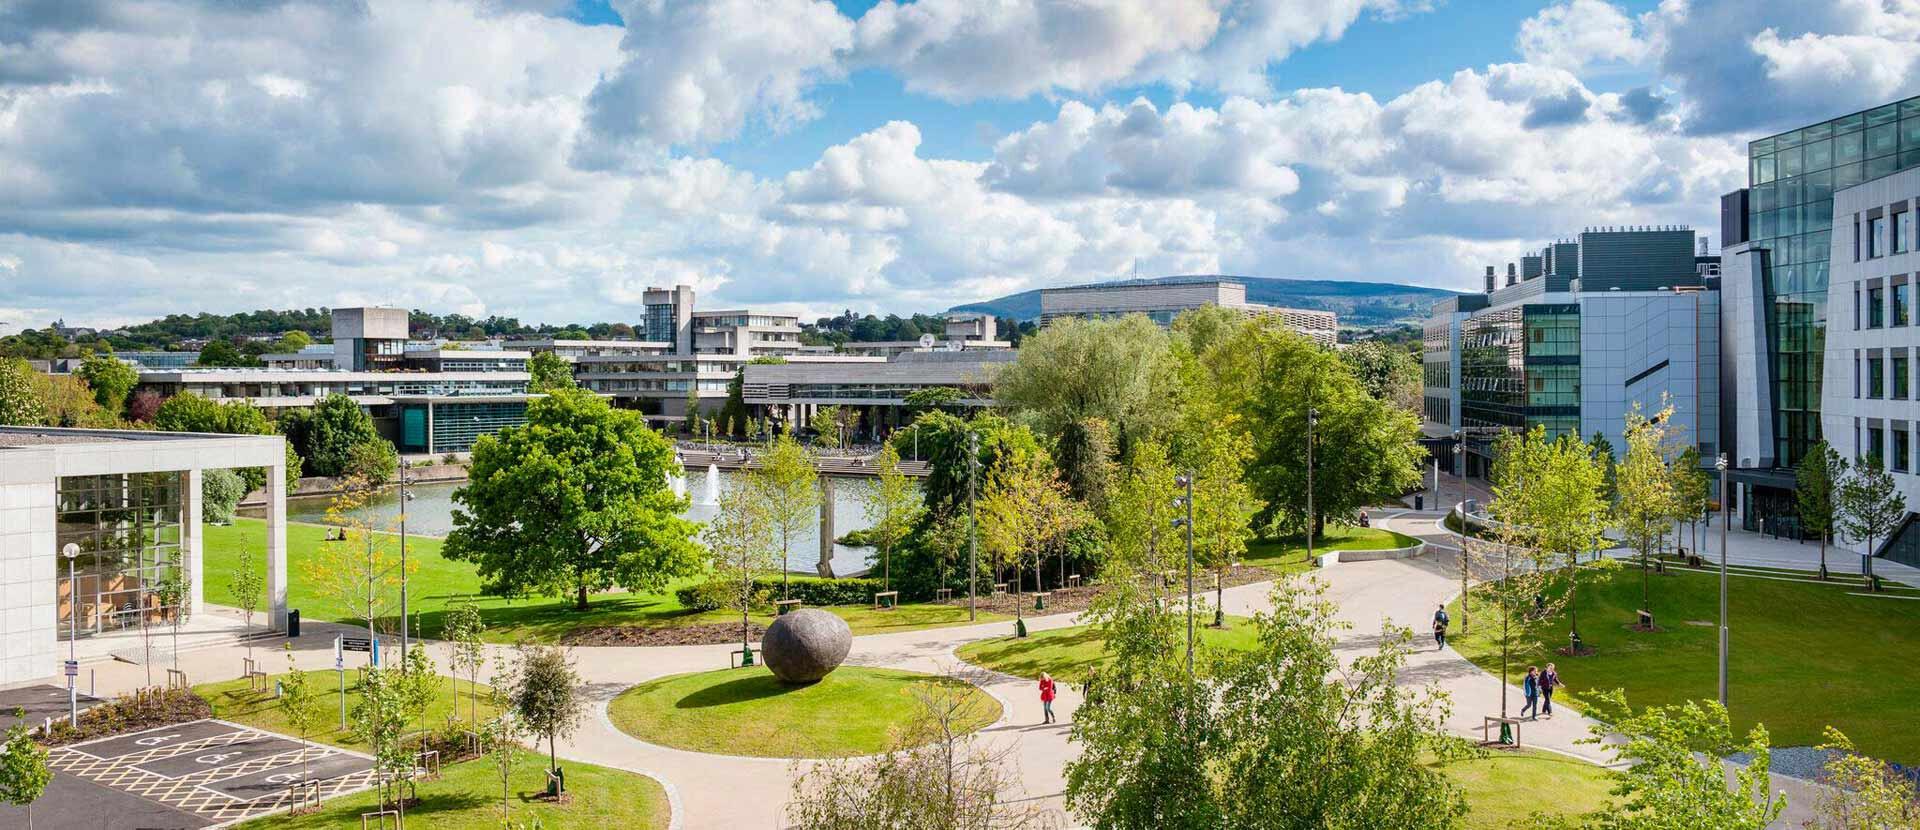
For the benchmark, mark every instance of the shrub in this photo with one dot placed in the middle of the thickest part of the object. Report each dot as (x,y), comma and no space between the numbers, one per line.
(134,712)
(707,596)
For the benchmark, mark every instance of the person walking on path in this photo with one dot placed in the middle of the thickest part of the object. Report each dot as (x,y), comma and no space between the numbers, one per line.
(1046,696)
(1530,687)
(1440,620)
(1549,680)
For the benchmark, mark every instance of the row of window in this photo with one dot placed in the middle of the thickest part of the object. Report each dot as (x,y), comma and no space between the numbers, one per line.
(1872,442)
(1877,376)
(1877,306)
(1883,235)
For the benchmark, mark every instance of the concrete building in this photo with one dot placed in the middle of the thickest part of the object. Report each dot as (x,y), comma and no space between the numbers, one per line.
(964,330)
(1575,351)
(793,392)
(129,503)
(1163,300)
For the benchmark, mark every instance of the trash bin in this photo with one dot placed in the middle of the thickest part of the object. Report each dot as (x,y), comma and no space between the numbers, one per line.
(1419,501)
(293,623)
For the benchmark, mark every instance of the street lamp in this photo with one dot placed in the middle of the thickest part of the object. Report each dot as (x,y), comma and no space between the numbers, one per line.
(406,495)
(1726,516)
(1185,482)
(72,669)
(1313,419)
(973,554)
(1460,473)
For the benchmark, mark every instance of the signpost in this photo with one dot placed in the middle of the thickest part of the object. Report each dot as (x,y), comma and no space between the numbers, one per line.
(340,665)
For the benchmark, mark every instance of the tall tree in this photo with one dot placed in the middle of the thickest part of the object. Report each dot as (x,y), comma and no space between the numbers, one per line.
(1548,493)
(247,585)
(188,412)
(741,541)
(1223,504)
(1140,513)
(1871,510)
(1673,769)
(328,434)
(1084,452)
(1119,371)
(573,501)
(1817,483)
(789,489)
(298,703)
(1010,514)
(550,371)
(110,378)
(19,404)
(893,508)
(1389,373)
(24,772)
(1645,508)
(462,630)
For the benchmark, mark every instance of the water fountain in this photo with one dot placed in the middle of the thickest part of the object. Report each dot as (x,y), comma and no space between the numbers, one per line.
(713,485)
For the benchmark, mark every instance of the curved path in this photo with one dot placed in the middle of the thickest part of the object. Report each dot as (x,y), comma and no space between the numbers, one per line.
(717,791)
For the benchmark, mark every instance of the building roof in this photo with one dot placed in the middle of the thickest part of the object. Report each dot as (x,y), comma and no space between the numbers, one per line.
(937,368)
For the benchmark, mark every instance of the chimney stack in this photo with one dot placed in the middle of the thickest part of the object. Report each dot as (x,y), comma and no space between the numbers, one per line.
(1489,279)
(1513,275)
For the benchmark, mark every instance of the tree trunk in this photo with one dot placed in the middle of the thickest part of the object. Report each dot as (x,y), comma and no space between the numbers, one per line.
(1823,555)
(580,598)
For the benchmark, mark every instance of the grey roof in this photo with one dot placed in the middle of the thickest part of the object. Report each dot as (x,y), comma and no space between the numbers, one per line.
(923,368)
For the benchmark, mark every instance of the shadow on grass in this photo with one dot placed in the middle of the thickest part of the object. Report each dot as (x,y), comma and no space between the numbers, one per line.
(741,690)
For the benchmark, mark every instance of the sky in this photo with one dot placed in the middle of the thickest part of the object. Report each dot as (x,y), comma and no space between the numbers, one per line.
(551,159)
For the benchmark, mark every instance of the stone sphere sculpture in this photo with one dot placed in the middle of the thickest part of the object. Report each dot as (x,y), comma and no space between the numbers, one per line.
(805,645)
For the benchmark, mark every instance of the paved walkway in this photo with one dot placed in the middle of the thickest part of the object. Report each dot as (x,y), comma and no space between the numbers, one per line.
(714,791)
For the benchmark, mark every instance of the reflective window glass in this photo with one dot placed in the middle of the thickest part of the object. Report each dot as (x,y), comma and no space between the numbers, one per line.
(1819,154)
(1849,147)
(1883,140)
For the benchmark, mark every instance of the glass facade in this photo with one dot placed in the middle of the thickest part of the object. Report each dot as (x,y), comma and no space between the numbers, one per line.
(1520,368)
(127,527)
(1792,177)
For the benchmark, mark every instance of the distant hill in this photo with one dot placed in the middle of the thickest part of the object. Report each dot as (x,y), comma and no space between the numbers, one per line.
(1359,304)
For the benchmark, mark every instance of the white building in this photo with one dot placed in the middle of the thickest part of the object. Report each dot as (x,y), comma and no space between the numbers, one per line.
(129,503)
(1164,299)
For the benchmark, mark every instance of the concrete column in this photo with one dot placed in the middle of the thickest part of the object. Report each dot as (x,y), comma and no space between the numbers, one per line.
(193,540)
(276,491)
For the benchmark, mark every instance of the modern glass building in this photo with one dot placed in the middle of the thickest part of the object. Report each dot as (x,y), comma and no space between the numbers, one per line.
(1792,177)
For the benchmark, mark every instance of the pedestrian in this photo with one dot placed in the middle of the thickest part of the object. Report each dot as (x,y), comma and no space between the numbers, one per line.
(1549,680)
(1365,521)
(1046,696)
(1531,688)
(1440,620)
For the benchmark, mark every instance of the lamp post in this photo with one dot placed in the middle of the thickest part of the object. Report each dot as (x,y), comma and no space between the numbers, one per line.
(1726,516)
(1460,472)
(973,555)
(1185,481)
(406,495)
(1313,419)
(72,668)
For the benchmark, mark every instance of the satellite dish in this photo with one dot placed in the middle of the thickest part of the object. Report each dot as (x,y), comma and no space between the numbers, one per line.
(926,341)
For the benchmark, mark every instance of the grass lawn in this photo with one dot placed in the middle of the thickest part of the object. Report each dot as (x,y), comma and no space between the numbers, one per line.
(233,702)
(438,582)
(854,711)
(1507,787)
(1289,554)
(1803,655)
(467,797)
(1070,654)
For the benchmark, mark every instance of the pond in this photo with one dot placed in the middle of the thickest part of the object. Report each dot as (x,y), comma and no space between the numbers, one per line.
(431,514)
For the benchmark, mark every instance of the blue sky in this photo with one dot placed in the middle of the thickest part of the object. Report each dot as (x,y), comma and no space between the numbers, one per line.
(540,159)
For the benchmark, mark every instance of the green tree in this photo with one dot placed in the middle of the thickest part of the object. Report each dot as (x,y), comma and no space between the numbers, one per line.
(171,592)
(299,704)
(546,697)
(575,500)
(1603,452)
(220,494)
(292,342)
(110,378)
(388,703)
(1012,512)
(1646,496)
(1548,494)
(223,353)
(19,403)
(1673,775)
(1817,484)
(1074,371)
(1140,513)
(741,541)
(1083,450)
(1862,791)
(1389,373)
(328,434)
(463,629)
(68,402)
(1223,504)
(933,397)
(893,508)
(789,489)
(1693,491)
(1871,510)
(550,371)
(247,584)
(24,773)
(501,742)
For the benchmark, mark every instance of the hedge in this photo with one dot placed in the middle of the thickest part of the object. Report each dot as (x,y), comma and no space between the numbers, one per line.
(811,591)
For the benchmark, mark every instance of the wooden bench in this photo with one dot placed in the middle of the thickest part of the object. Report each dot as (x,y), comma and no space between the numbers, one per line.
(1040,600)
(942,594)
(1486,725)
(1073,580)
(782,606)
(892,598)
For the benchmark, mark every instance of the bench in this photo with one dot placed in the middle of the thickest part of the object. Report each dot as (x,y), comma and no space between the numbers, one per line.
(892,598)
(999,588)
(1486,724)
(1073,580)
(942,594)
(1646,618)
(782,606)
(1040,600)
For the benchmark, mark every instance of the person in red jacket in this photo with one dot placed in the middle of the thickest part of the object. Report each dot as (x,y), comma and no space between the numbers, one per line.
(1046,696)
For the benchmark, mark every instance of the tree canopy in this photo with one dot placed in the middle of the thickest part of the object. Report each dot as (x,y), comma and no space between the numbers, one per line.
(574,501)
(1074,372)
(329,434)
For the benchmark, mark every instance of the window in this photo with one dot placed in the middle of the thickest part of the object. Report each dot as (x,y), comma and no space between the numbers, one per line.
(1902,305)
(1899,450)
(1876,308)
(1903,232)
(1856,237)
(1877,444)
(1900,381)
(1877,237)
(1876,377)
(1856,306)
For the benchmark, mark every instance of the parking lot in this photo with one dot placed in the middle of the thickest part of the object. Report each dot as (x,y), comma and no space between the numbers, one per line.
(189,775)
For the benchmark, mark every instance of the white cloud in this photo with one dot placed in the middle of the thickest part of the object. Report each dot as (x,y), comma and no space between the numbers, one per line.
(1580,33)
(1812,64)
